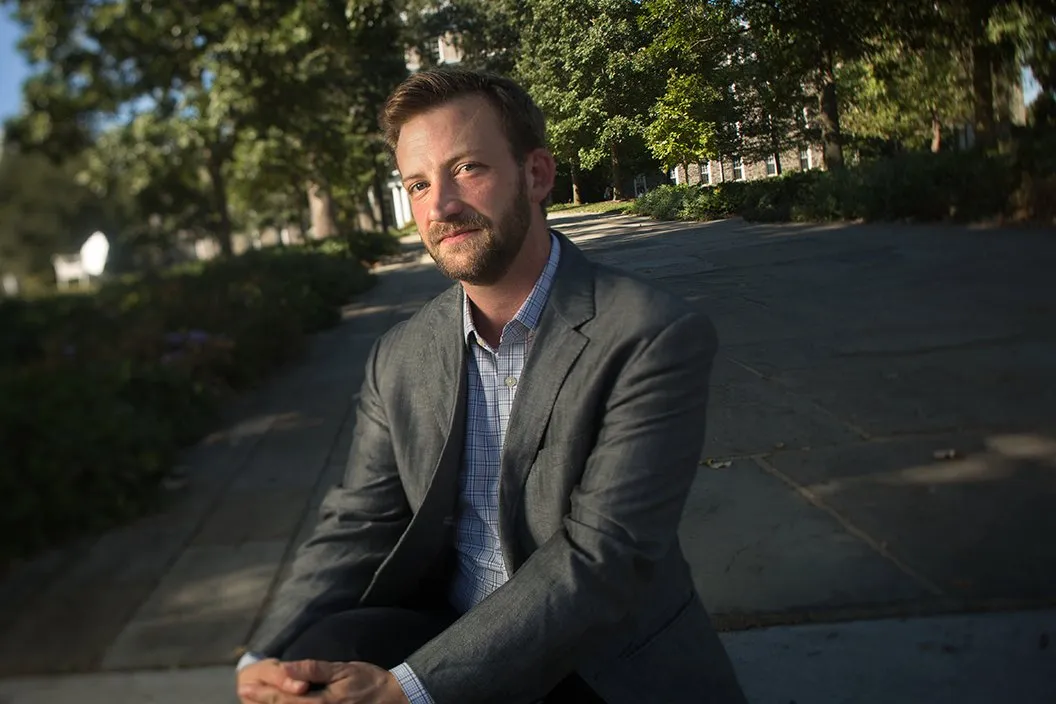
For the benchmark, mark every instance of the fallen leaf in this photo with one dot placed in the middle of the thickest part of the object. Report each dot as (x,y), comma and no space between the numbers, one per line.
(716,464)
(947,454)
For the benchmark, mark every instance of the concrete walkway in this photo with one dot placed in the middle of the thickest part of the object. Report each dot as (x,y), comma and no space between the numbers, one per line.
(882,443)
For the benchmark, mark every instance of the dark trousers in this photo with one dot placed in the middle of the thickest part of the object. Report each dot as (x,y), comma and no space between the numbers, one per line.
(386,636)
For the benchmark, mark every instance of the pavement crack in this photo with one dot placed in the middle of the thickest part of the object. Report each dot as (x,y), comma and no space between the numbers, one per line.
(880,547)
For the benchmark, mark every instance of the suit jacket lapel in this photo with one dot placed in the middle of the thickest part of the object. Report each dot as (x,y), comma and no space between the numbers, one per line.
(443,360)
(556,346)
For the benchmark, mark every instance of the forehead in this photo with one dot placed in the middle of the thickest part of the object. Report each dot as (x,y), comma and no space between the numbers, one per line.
(465,124)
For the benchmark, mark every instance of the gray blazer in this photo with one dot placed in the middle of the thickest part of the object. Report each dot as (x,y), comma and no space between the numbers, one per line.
(603,443)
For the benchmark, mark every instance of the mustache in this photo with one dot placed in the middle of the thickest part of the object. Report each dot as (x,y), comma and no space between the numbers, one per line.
(469,221)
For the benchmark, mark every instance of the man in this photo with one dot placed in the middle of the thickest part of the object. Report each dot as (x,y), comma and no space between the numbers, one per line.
(507,527)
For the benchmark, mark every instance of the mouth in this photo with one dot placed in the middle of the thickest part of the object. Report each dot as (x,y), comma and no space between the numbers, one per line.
(456,237)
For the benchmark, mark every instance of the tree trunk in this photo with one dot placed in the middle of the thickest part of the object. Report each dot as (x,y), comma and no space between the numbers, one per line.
(983,94)
(577,185)
(722,170)
(379,196)
(936,132)
(685,170)
(321,207)
(617,188)
(829,114)
(219,186)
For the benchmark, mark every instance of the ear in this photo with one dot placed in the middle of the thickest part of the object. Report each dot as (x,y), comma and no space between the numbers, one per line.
(540,170)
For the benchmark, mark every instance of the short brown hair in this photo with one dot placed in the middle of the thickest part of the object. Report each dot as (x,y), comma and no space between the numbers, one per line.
(522,120)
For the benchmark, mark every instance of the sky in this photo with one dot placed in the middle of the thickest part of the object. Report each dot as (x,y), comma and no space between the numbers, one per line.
(13,70)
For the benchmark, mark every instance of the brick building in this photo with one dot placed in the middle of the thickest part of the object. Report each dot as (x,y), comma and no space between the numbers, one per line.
(709,173)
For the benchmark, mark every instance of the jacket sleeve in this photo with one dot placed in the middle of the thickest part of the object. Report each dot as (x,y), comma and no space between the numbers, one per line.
(534,630)
(360,522)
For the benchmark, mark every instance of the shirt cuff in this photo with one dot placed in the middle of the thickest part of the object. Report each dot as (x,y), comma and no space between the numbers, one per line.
(247,660)
(412,687)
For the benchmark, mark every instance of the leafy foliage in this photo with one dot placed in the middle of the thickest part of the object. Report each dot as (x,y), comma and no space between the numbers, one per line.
(584,62)
(99,392)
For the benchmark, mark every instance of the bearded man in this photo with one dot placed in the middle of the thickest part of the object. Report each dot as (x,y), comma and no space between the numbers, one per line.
(506,530)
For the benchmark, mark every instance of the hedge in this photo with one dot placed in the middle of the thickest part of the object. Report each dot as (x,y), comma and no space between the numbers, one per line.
(100,392)
(949,186)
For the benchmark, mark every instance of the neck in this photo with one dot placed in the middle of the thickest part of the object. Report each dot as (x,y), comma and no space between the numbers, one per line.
(495,305)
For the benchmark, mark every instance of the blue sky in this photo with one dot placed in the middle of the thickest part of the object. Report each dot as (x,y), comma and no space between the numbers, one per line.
(13,70)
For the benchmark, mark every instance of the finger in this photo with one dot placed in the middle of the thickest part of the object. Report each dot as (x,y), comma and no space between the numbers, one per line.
(266,672)
(265,694)
(302,672)
(255,694)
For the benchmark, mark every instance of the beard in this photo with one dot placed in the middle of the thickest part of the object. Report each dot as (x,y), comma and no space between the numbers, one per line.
(485,256)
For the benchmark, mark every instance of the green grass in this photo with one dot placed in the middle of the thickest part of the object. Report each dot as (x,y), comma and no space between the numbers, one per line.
(409,229)
(605,206)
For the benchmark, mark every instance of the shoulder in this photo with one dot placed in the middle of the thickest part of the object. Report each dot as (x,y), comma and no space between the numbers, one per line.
(405,338)
(638,307)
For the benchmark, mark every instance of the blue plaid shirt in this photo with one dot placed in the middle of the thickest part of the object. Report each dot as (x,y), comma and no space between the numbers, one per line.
(493,376)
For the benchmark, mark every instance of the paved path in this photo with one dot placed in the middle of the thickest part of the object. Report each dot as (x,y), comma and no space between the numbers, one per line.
(850,357)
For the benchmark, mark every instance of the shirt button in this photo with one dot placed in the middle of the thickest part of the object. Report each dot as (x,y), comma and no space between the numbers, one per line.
(511,381)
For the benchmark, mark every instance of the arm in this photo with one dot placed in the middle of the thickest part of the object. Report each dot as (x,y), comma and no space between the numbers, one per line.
(624,517)
(360,523)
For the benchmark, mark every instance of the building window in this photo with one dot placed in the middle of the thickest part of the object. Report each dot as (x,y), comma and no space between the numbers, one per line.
(705,173)
(738,169)
(805,162)
(434,51)
(771,165)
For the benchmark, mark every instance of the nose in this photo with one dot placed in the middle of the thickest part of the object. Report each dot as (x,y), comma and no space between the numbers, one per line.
(445,201)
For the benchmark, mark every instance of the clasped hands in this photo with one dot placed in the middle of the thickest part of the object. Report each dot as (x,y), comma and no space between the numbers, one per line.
(275,682)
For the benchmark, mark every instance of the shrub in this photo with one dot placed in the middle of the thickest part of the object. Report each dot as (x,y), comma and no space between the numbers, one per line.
(710,203)
(662,203)
(77,454)
(956,186)
(99,392)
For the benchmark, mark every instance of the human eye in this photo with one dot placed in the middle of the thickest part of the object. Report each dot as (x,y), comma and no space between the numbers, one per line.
(469,167)
(416,187)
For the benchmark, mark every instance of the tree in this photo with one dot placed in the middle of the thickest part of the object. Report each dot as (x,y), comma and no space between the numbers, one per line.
(695,45)
(683,127)
(102,62)
(487,32)
(319,74)
(906,93)
(812,38)
(34,224)
(584,62)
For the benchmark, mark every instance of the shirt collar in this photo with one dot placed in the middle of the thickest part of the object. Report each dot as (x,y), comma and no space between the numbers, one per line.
(532,309)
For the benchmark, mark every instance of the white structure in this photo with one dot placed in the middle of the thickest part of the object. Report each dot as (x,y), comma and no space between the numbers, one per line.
(68,268)
(88,262)
(94,253)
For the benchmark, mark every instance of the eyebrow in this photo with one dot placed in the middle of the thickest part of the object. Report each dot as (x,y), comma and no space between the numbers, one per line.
(459,157)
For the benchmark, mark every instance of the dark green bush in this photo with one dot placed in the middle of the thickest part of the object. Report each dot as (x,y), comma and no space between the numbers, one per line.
(949,186)
(99,392)
(663,203)
(76,455)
